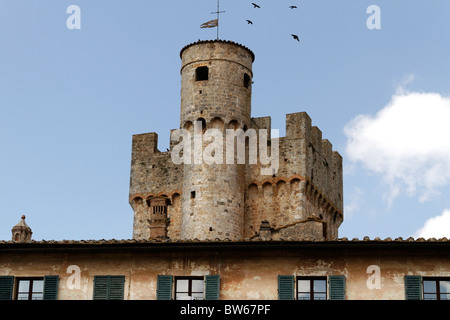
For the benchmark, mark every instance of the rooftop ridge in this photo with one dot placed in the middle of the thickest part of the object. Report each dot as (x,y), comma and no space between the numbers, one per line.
(366,239)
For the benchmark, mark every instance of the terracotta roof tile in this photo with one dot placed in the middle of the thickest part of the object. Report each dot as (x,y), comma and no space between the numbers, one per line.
(169,241)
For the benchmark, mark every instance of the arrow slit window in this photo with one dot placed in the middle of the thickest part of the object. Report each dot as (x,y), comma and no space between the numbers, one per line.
(246,81)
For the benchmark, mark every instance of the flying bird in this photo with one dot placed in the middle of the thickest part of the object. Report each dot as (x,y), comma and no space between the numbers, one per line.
(249,22)
(293,7)
(255,5)
(295,37)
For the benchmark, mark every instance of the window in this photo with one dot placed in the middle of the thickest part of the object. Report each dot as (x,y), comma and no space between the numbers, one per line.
(311,288)
(436,288)
(201,73)
(192,194)
(158,205)
(202,122)
(246,80)
(189,288)
(324,229)
(30,289)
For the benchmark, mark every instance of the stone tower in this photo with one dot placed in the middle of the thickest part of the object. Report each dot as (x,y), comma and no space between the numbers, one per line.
(21,232)
(200,200)
(216,92)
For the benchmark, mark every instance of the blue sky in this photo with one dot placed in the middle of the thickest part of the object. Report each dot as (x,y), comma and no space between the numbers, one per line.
(70,101)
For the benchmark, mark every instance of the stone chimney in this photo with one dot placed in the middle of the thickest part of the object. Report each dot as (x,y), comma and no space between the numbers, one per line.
(21,232)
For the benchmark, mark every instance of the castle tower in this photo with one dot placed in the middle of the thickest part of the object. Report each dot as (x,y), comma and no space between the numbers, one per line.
(206,196)
(21,232)
(215,93)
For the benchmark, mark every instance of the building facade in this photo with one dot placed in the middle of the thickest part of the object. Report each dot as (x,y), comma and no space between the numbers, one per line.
(226,270)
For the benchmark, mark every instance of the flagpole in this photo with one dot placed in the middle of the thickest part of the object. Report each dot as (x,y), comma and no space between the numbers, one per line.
(218,12)
(218,16)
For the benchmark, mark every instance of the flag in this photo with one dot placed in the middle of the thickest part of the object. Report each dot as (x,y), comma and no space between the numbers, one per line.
(210,24)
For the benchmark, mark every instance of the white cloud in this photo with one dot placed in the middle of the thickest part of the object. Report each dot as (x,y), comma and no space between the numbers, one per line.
(407,143)
(437,227)
(407,79)
(354,203)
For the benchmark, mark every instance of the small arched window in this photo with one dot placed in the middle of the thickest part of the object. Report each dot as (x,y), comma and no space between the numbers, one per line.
(201,73)
(253,191)
(233,124)
(203,123)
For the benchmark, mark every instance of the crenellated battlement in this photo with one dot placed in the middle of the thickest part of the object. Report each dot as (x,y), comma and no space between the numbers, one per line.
(299,125)
(152,171)
(304,151)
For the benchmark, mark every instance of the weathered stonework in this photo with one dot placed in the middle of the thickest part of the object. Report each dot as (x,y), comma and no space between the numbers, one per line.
(306,190)
(302,200)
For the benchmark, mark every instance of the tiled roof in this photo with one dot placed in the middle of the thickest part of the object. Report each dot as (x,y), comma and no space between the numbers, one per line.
(219,241)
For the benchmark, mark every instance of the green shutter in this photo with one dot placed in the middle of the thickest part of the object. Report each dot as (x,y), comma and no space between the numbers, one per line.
(413,287)
(212,287)
(164,287)
(6,287)
(51,287)
(116,287)
(109,287)
(337,287)
(285,287)
(100,287)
